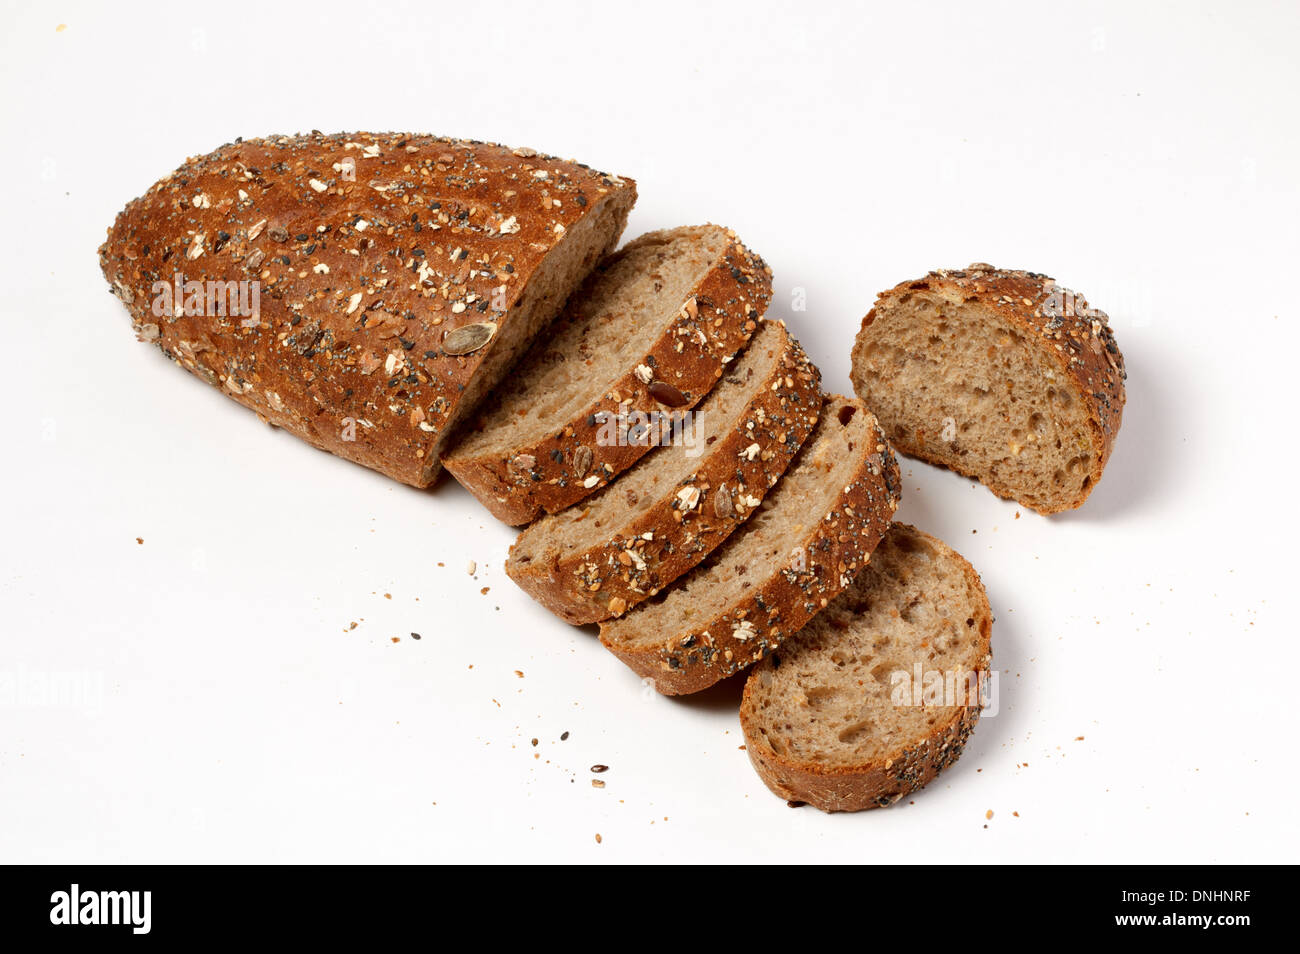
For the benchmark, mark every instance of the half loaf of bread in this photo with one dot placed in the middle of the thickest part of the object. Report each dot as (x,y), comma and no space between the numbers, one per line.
(804,544)
(362,291)
(623,544)
(647,337)
(1003,376)
(881,691)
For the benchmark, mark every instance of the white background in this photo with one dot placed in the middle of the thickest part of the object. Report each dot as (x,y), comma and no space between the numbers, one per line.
(1144,154)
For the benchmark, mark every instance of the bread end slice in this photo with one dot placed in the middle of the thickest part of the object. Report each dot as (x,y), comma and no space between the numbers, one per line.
(1003,376)
(849,714)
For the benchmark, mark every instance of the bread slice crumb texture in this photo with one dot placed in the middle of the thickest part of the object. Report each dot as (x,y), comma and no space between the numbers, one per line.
(1002,376)
(650,333)
(619,547)
(880,691)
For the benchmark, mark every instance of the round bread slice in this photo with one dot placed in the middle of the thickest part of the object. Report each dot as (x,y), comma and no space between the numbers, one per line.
(881,691)
(650,333)
(622,545)
(1003,376)
(812,534)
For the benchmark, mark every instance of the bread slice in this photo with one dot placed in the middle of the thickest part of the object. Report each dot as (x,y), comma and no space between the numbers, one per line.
(812,534)
(649,334)
(667,513)
(854,712)
(362,291)
(1003,376)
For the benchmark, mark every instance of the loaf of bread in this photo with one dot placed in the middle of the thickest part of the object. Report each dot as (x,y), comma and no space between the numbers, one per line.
(881,691)
(805,543)
(622,545)
(649,335)
(362,291)
(1003,376)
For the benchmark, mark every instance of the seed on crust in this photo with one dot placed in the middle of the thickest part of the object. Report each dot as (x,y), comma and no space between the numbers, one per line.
(469,338)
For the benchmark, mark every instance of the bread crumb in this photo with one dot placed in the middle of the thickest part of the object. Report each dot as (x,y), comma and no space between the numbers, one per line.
(388,596)
(139,539)
(597,783)
(484,591)
(397,639)
(598,839)
(471,568)
(989,814)
(519,673)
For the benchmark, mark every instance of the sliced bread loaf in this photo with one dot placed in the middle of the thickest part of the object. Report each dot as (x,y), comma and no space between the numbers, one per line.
(881,691)
(804,544)
(362,291)
(667,513)
(1003,376)
(648,335)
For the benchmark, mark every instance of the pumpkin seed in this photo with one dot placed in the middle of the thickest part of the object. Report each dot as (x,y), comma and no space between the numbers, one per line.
(469,338)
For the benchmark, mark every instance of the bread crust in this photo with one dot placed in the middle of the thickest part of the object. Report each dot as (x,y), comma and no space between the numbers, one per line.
(1075,337)
(835,550)
(676,533)
(879,782)
(370,248)
(560,468)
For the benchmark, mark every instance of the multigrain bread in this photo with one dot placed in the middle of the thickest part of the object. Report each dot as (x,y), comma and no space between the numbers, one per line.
(805,543)
(675,506)
(390,280)
(881,691)
(650,333)
(1003,376)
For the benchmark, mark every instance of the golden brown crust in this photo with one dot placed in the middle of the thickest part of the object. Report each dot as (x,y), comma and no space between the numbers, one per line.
(882,781)
(370,248)
(752,627)
(1077,337)
(692,517)
(560,468)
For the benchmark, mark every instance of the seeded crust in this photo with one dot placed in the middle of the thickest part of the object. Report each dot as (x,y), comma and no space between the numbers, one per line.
(692,515)
(1073,339)
(765,608)
(363,279)
(849,772)
(550,471)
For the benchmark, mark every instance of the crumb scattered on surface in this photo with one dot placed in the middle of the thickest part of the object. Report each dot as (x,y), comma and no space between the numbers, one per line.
(597,783)
(471,567)
(388,596)
(484,591)
(397,639)
(519,673)
(139,539)
(598,839)
(564,737)
(989,814)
